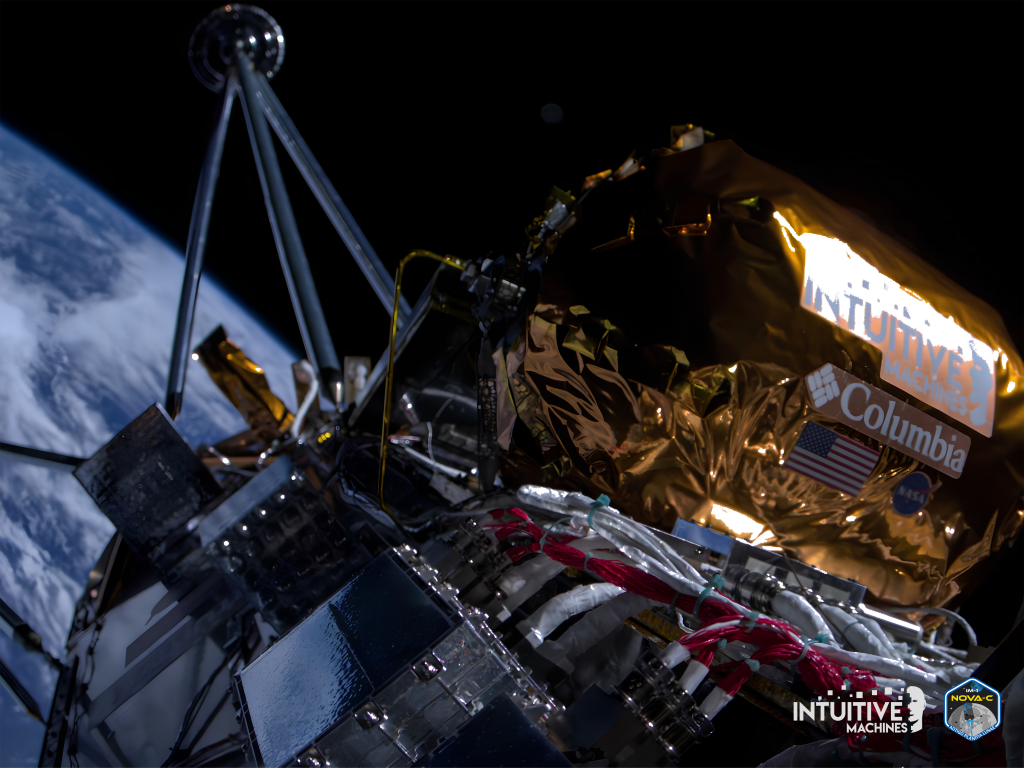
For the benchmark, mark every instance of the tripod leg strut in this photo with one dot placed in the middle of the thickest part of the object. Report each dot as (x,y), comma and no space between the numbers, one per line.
(195,250)
(380,280)
(299,278)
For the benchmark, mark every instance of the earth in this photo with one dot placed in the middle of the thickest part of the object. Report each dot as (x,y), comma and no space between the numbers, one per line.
(88,304)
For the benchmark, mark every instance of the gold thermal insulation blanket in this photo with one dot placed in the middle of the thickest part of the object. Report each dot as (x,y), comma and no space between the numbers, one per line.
(245,385)
(710,258)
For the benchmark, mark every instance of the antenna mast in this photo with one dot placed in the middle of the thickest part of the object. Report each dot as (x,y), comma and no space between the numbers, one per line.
(235,51)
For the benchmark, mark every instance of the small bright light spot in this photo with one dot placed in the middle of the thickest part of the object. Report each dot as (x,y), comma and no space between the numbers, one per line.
(226,542)
(245,527)
(224,461)
(1009,387)
(281,496)
(1003,361)
(258,369)
(850,518)
(919,514)
(762,451)
(950,531)
(472,471)
(195,356)
(702,521)
(263,513)
(659,411)
(263,455)
(733,369)
(773,549)
(1020,512)
(737,522)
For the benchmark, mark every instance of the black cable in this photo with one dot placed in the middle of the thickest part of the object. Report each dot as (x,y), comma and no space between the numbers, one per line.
(90,671)
(199,699)
(206,724)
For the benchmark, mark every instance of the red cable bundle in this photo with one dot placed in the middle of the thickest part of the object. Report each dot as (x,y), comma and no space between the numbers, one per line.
(820,673)
(775,639)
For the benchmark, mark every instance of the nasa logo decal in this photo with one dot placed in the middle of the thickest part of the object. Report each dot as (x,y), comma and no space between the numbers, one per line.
(972,709)
(913,493)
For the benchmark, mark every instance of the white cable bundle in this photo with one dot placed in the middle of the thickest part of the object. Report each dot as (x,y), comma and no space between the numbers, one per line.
(592,628)
(858,635)
(632,538)
(877,631)
(522,582)
(887,667)
(875,652)
(558,609)
(798,612)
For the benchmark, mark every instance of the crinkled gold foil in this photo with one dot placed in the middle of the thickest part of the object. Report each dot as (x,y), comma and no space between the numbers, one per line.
(719,436)
(245,385)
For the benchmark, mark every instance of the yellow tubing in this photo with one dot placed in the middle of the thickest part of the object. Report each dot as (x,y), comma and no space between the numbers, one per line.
(389,381)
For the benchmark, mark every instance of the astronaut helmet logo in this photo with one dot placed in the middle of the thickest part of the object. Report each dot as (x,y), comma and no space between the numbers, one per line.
(972,709)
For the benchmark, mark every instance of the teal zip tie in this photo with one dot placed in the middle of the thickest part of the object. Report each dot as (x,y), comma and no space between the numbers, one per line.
(721,644)
(846,670)
(753,664)
(821,637)
(547,531)
(750,621)
(602,501)
(716,583)
(798,659)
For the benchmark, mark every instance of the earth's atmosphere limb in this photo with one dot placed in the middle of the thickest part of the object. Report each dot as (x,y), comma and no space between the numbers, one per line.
(88,302)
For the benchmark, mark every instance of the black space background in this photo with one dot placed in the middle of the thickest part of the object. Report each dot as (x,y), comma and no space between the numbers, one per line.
(427,119)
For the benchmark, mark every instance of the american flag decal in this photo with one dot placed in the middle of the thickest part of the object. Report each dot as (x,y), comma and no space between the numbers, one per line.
(832,459)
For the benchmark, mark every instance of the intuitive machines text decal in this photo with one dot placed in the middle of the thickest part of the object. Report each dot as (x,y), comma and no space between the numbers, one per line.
(866,712)
(923,353)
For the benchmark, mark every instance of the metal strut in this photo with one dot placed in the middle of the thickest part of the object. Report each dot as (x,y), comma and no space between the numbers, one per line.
(233,52)
(310,315)
(196,249)
(378,276)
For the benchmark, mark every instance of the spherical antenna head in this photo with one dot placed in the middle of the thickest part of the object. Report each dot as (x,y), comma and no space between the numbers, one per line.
(229,33)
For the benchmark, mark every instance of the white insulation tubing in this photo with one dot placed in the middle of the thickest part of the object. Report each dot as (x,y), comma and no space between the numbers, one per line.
(876,629)
(797,611)
(592,628)
(522,582)
(715,702)
(858,635)
(558,609)
(693,676)
(872,663)
(939,653)
(674,655)
(605,520)
(607,517)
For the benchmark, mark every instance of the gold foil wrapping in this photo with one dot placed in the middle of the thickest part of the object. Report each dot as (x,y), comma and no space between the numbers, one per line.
(718,435)
(245,385)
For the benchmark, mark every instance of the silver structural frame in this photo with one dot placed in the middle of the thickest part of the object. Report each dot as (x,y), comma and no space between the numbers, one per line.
(260,106)
(196,249)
